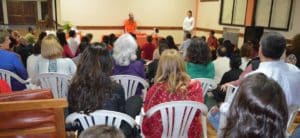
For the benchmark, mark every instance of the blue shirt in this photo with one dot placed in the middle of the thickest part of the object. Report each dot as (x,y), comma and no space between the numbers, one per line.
(12,62)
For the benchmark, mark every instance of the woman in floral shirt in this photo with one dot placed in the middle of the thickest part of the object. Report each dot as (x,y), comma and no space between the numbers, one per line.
(172,83)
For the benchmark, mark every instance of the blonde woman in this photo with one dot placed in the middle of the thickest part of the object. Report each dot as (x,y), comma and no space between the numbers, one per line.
(51,59)
(172,83)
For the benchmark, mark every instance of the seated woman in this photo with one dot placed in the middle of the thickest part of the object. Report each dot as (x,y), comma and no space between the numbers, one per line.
(199,63)
(124,55)
(92,89)
(11,61)
(61,35)
(259,110)
(172,83)
(51,60)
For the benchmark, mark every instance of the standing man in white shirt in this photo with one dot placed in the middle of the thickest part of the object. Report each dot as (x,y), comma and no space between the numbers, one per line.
(188,24)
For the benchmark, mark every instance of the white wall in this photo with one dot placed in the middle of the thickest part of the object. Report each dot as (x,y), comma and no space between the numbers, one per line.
(114,12)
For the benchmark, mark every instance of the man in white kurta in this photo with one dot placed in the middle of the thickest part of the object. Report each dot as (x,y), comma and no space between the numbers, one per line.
(188,24)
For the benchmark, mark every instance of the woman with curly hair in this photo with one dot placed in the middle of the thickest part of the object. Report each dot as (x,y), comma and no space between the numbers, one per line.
(199,63)
(259,110)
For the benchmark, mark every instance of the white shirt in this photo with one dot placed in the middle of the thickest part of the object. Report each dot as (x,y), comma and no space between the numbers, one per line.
(61,65)
(73,44)
(286,75)
(245,61)
(188,24)
(31,62)
(221,66)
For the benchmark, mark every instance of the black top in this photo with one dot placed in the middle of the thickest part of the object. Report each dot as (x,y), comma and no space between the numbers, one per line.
(152,67)
(231,75)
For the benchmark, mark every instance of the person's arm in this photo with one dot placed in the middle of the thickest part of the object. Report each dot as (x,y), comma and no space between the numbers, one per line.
(20,69)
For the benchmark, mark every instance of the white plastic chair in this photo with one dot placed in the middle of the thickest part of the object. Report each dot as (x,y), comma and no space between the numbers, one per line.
(7,75)
(230,93)
(177,117)
(130,84)
(292,115)
(101,117)
(59,83)
(206,84)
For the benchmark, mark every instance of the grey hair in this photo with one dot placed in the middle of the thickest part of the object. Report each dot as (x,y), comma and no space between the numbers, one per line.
(124,50)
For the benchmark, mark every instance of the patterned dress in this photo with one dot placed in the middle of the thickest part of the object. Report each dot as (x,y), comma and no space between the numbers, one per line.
(152,127)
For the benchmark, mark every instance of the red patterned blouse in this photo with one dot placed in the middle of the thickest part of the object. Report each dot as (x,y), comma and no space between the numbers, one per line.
(152,127)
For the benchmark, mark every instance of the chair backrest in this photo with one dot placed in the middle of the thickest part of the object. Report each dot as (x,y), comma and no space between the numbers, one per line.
(130,84)
(206,84)
(31,114)
(7,75)
(58,83)
(179,115)
(230,93)
(292,115)
(101,117)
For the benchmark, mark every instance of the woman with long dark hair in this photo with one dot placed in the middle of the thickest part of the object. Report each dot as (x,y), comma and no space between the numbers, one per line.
(61,36)
(170,41)
(91,87)
(259,110)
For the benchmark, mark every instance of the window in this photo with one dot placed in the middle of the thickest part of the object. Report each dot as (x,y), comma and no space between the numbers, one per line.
(273,14)
(233,12)
(270,14)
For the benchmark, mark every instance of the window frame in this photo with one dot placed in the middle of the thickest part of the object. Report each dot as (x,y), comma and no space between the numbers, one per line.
(270,17)
(232,13)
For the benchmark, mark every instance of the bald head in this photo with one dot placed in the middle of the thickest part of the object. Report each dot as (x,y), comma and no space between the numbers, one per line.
(131,17)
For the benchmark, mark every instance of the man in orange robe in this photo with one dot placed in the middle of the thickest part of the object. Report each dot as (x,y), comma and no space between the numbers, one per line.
(130,24)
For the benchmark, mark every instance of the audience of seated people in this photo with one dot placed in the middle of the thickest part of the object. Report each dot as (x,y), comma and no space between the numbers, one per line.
(272,47)
(124,55)
(229,48)
(199,63)
(61,36)
(172,83)
(73,41)
(24,49)
(212,41)
(293,55)
(81,48)
(36,54)
(148,49)
(221,63)
(185,45)
(246,54)
(11,61)
(171,42)
(92,89)
(152,67)
(51,59)
(259,110)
